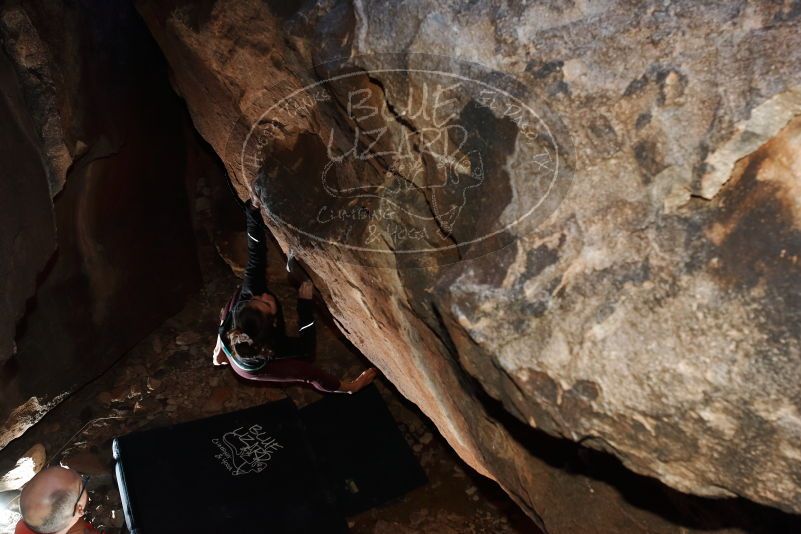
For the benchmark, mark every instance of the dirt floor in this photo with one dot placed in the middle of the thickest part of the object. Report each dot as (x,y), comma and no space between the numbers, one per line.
(168,378)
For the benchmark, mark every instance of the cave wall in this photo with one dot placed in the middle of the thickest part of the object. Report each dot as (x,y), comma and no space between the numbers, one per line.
(28,238)
(97,191)
(653,313)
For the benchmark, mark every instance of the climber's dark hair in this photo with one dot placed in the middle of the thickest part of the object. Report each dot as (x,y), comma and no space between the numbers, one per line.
(258,326)
(249,320)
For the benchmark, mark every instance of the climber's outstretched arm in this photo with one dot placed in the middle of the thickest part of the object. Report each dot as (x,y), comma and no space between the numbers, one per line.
(305,343)
(255,278)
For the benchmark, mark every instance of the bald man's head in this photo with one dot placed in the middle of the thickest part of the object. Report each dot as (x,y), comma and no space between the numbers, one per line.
(48,501)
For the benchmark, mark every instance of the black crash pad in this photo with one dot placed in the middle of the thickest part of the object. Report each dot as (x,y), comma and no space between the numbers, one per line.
(360,450)
(270,468)
(247,471)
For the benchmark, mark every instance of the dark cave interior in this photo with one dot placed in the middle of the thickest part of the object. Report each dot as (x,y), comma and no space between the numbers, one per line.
(143,243)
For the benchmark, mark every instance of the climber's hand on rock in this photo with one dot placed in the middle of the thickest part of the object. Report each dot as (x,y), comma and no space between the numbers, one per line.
(252,204)
(306,290)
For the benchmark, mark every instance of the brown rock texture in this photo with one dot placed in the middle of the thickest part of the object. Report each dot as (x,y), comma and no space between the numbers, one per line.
(28,237)
(653,312)
(26,467)
(96,242)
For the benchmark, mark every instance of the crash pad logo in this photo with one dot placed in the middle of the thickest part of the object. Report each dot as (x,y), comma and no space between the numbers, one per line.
(404,158)
(243,451)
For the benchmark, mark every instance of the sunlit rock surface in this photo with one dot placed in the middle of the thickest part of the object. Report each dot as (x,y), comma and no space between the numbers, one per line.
(26,467)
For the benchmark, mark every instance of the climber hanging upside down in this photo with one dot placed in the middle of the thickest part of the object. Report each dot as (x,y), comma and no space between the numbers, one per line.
(252,336)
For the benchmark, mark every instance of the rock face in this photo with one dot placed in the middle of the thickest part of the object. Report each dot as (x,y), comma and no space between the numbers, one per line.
(28,237)
(96,242)
(652,311)
(26,467)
